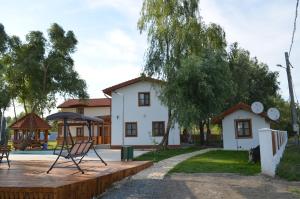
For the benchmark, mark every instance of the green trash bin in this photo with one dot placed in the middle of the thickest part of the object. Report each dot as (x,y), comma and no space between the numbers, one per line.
(127,153)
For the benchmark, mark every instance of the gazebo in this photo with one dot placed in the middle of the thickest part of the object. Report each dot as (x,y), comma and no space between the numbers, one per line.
(28,129)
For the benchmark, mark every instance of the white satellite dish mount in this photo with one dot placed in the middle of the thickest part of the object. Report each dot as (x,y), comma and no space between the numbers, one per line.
(257,107)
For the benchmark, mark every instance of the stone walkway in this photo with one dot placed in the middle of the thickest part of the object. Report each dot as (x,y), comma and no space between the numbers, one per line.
(160,169)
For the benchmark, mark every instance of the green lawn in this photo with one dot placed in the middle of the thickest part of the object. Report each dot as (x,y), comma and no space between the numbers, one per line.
(219,162)
(157,156)
(289,166)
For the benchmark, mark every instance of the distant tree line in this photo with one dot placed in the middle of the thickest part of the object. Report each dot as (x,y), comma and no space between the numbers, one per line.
(203,76)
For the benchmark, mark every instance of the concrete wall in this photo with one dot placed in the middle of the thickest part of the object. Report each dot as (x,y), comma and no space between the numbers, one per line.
(228,128)
(143,115)
(270,158)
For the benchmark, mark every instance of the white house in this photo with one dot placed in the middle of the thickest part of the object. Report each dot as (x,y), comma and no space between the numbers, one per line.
(137,114)
(240,127)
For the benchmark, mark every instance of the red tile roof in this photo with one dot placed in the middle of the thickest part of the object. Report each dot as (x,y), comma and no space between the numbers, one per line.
(101,102)
(109,90)
(240,106)
(30,121)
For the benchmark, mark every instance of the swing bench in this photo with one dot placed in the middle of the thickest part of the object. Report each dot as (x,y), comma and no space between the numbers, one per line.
(78,150)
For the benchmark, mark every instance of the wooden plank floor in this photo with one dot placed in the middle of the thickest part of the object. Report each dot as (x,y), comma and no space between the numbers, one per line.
(28,179)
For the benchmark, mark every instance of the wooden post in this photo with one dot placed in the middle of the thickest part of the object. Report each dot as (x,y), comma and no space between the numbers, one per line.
(46,136)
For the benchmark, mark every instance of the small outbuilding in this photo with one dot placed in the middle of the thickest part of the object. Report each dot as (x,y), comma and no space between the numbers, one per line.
(240,127)
(29,128)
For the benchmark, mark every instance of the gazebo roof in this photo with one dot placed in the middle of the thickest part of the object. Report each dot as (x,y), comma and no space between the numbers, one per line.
(30,121)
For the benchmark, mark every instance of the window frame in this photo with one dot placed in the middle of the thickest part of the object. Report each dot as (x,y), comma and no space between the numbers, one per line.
(140,101)
(78,110)
(82,131)
(164,128)
(126,132)
(237,136)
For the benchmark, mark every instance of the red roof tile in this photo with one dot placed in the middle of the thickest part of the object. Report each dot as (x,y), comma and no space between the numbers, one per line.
(101,102)
(30,121)
(109,90)
(240,106)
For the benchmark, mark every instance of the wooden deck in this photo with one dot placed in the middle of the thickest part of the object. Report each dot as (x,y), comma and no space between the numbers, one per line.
(28,179)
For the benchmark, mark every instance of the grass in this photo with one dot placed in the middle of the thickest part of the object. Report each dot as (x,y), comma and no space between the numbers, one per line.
(289,166)
(218,162)
(157,156)
(295,190)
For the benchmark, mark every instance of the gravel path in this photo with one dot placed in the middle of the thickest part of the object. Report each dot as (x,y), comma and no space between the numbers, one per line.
(205,186)
(153,183)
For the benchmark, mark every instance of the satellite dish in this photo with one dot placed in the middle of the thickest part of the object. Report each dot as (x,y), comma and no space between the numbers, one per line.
(257,107)
(273,114)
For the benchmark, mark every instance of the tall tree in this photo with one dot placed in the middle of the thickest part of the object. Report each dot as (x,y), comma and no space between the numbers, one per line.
(175,33)
(4,94)
(41,68)
(252,80)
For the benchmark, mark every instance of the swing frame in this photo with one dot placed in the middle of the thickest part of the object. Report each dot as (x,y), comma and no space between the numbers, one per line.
(82,148)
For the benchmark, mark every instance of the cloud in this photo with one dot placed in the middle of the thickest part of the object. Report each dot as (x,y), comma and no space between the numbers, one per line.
(262,27)
(116,57)
(130,8)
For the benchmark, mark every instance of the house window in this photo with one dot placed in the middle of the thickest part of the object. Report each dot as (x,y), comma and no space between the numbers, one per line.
(243,128)
(79,132)
(144,99)
(80,110)
(158,128)
(130,129)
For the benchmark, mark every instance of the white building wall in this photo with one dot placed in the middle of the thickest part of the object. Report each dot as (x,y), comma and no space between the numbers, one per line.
(228,125)
(143,115)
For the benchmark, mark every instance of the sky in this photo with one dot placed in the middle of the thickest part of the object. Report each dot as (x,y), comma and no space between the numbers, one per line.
(111,50)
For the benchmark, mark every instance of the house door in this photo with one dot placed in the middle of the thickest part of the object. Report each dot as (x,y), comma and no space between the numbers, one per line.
(105,135)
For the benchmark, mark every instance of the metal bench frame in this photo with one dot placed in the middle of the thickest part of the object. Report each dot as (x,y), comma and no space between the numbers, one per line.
(79,149)
(4,153)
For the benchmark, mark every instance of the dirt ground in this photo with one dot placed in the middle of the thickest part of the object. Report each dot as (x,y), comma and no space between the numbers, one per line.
(206,186)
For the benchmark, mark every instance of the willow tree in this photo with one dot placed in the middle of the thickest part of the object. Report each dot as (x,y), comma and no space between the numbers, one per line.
(175,32)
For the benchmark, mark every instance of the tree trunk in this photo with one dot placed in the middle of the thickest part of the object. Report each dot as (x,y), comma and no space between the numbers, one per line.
(208,131)
(164,143)
(15,113)
(201,128)
(25,107)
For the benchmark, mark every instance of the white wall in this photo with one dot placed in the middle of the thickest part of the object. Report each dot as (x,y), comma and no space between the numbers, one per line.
(269,161)
(228,128)
(143,115)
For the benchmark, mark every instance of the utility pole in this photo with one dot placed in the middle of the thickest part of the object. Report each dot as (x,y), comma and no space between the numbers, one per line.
(291,91)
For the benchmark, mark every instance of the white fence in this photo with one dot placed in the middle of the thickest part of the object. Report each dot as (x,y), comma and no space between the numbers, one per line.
(272,145)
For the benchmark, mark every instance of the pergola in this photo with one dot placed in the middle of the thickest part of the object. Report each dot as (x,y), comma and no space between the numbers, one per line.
(30,125)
